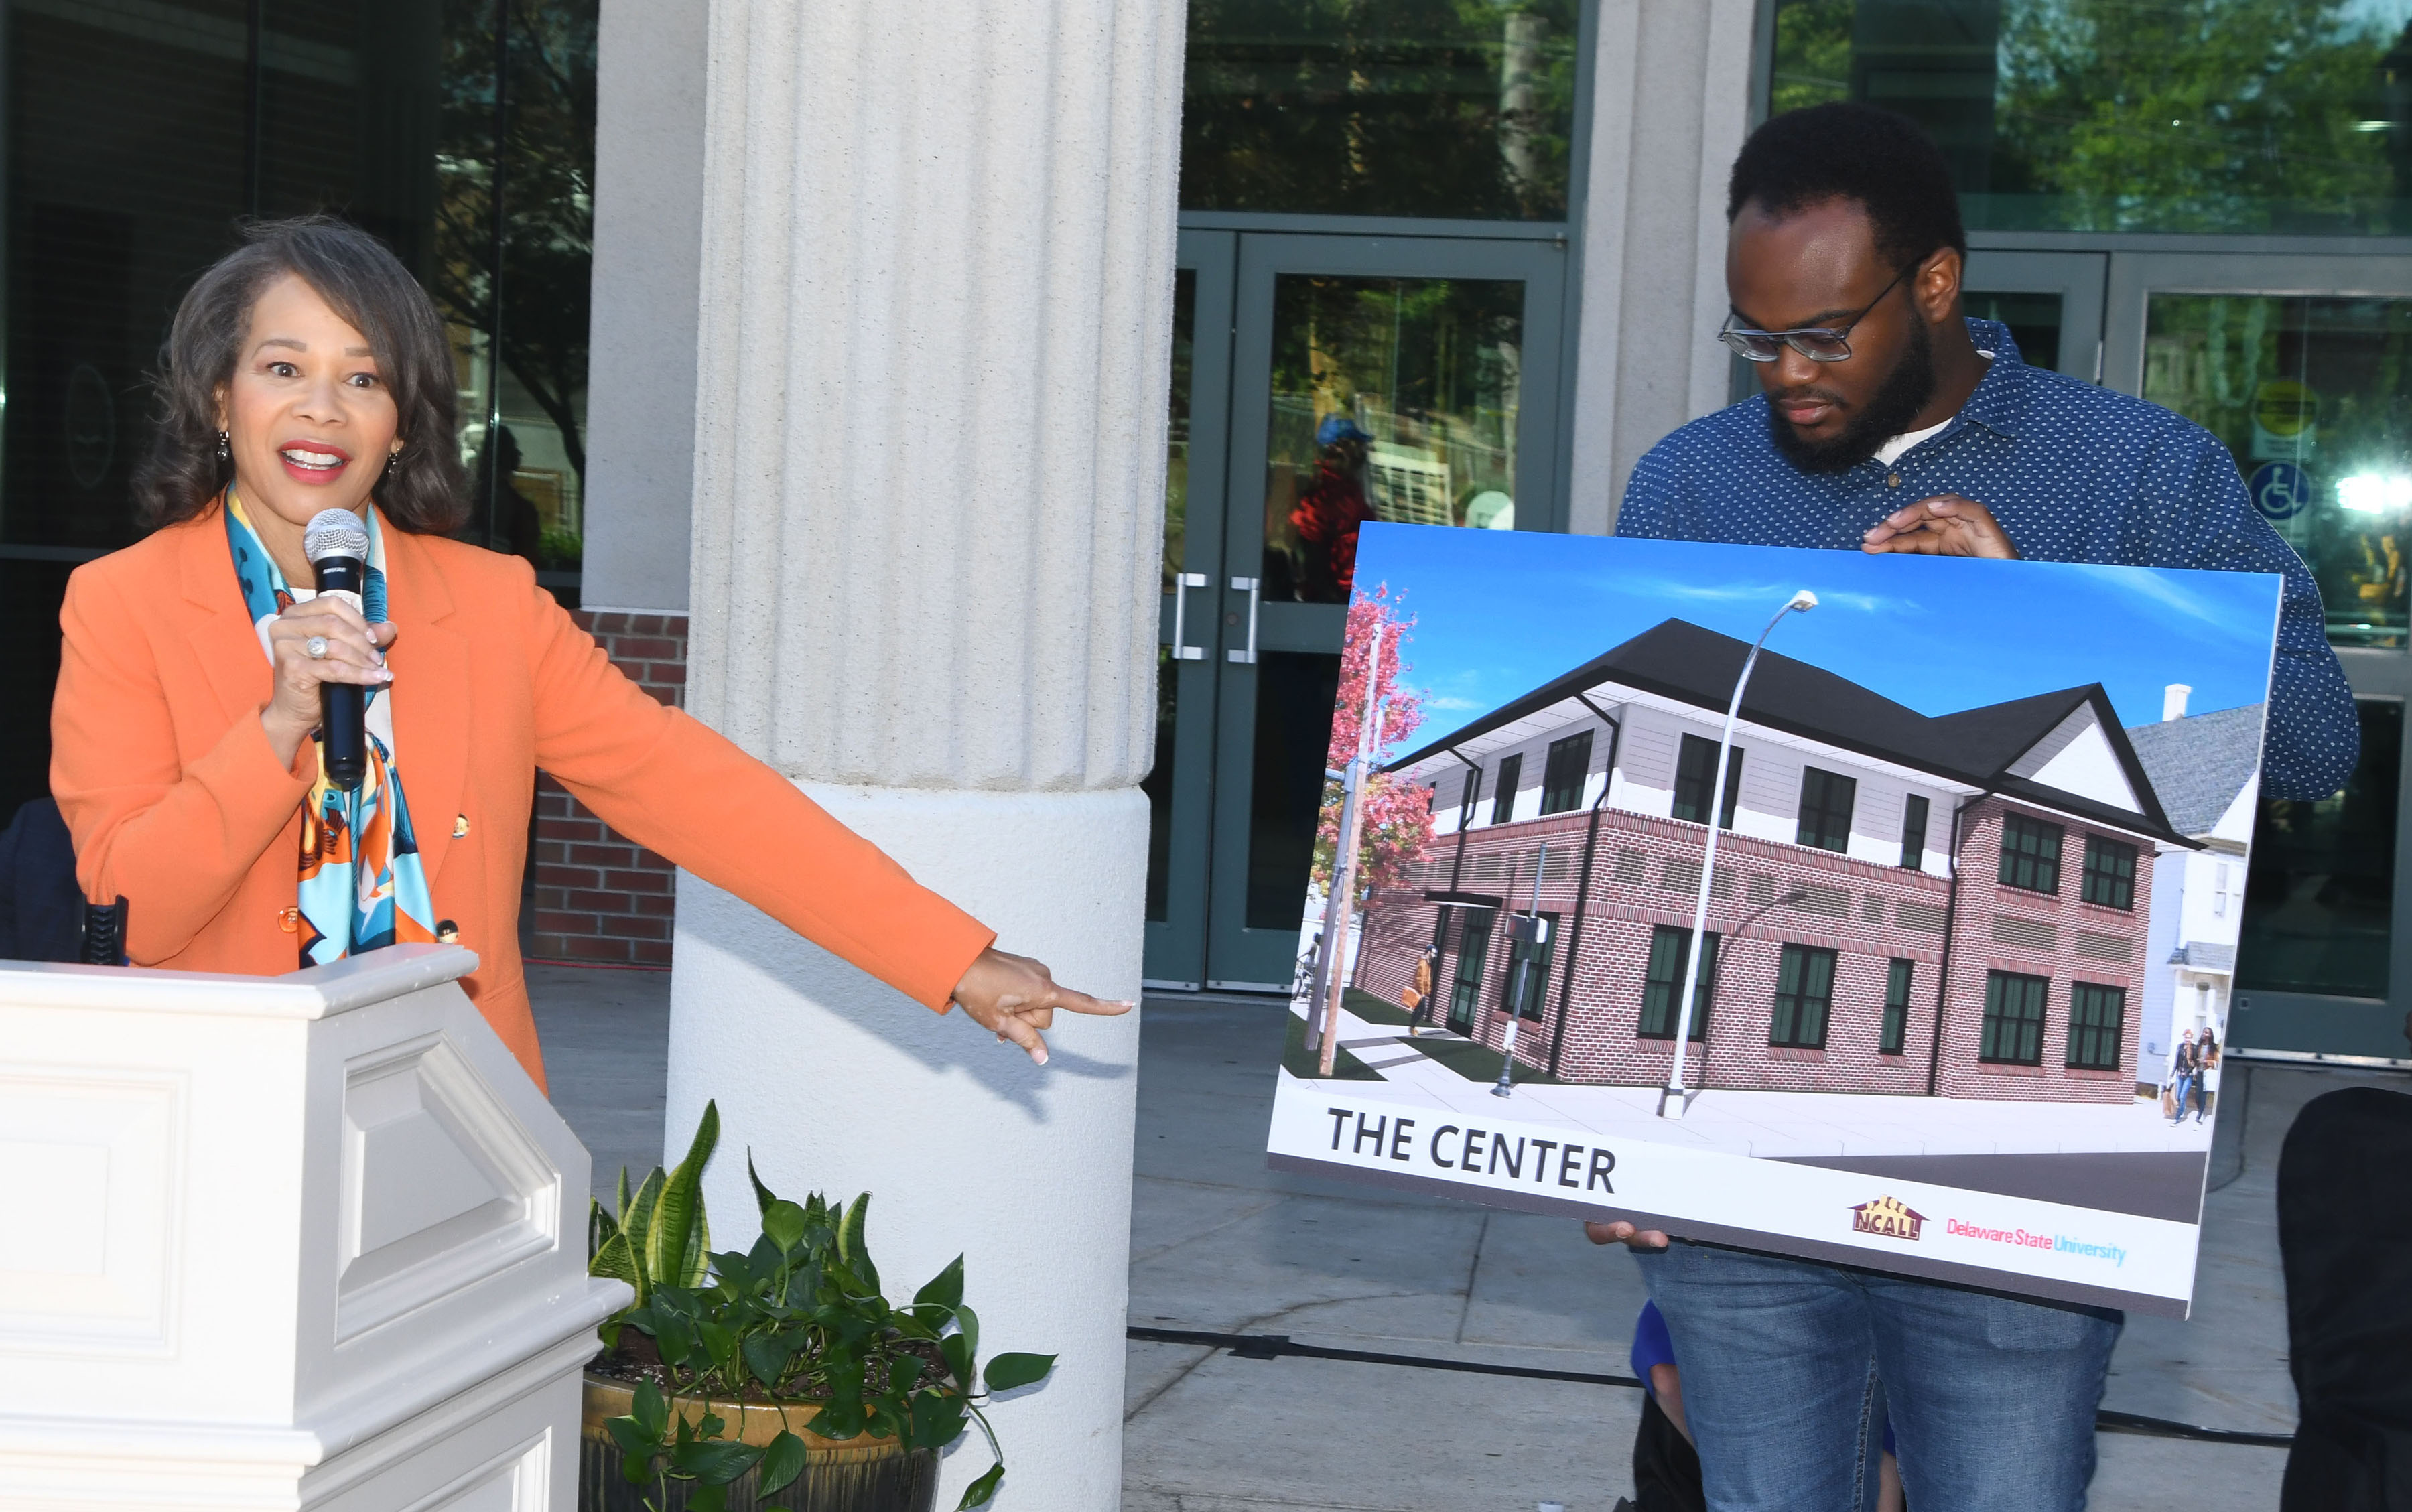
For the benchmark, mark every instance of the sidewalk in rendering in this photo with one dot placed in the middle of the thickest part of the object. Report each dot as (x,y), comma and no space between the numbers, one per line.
(1783,1125)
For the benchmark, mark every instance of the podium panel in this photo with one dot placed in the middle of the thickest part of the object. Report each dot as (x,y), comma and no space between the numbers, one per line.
(307,1241)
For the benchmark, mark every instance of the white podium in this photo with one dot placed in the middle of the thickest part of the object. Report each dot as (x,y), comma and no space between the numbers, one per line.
(306,1241)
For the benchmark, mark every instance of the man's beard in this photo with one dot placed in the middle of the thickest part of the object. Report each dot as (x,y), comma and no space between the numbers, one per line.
(1888,412)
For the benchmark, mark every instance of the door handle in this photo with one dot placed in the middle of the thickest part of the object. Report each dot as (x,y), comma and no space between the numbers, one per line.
(1254,586)
(1182,650)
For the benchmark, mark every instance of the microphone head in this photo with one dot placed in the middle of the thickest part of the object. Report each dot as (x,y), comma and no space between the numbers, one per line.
(336,533)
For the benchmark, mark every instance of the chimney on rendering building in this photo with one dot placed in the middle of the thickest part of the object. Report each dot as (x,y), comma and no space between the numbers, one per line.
(2174,702)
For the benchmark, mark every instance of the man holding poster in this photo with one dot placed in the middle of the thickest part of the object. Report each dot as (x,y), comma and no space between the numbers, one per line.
(1891,424)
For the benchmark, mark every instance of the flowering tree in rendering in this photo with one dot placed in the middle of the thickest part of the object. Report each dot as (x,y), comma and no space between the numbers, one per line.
(1394,821)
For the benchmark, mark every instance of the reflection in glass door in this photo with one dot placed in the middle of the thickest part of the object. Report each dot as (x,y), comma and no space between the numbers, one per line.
(1366,379)
(1374,379)
(2303,367)
(2050,301)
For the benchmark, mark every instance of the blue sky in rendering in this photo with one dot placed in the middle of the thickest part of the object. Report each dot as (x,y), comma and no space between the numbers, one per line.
(1499,612)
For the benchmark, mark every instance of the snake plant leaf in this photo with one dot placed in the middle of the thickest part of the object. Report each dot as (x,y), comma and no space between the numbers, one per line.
(1007,1371)
(782,1460)
(623,1209)
(637,1223)
(677,1241)
(618,1260)
(979,1492)
(600,1226)
(853,1243)
(762,1195)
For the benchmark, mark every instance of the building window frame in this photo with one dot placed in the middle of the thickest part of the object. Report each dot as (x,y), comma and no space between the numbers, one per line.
(1804,997)
(2031,850)
(2016,1006)
(2109,878)
(1536,984)
(1469,798)
(1662,983)
(2098,1026)
(1503,798)
(1695,769)
(1901,976)
(1563,772)
(1827,802)
(1914,813)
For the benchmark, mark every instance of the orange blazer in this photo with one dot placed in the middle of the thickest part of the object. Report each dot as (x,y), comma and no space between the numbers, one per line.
(165,775)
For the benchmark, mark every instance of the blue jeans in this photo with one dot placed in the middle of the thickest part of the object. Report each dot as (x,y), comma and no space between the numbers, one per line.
(1790,1368)
(2185,1084)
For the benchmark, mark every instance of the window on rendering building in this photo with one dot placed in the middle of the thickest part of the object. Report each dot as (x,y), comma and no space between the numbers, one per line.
(1895,1031)
(1913,832)
(1804,992)
(1696,771)
(1503,799)
(2097,1019)
(2030,853)
(2013,1031)
(1662,983)
(1534,959)
(1563,773)
(2109,875)
(1472,796)
(1825,800)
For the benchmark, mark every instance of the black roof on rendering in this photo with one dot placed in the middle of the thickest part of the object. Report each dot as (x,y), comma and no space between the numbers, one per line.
(1684,662)
(2199,763)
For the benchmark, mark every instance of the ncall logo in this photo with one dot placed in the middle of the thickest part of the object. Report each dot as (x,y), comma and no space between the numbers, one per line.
(1889,1217)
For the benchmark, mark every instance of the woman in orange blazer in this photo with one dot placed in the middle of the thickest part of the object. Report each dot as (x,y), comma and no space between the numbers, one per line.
(308,372)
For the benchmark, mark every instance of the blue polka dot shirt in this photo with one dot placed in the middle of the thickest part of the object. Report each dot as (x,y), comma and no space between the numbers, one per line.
(2074,473)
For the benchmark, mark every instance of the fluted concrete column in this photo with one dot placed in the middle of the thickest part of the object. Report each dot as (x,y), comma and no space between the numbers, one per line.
(933,352)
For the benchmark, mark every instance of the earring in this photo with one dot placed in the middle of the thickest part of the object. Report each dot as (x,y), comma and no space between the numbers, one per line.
(225,448)
(392,459)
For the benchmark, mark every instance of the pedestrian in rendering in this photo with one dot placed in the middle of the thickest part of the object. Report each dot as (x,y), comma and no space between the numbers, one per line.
(1889,421)
(2183,1067)
(2206,1060)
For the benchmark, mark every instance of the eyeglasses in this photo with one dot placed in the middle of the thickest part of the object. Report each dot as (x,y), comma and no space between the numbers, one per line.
(1818,344)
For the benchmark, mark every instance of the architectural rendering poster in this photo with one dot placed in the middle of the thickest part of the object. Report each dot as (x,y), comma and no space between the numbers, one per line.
(1961,991)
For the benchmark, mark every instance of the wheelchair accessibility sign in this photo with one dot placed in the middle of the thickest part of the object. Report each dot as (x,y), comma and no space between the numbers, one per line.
(2280,490)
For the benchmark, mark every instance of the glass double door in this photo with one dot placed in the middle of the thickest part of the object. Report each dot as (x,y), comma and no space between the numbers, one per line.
(1319,382)
(2300,363)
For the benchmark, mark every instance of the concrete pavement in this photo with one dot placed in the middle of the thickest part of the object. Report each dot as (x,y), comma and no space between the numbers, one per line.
(1221,1243)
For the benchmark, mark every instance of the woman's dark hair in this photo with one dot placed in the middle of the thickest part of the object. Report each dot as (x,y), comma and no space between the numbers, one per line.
(363,283)
(1847,150)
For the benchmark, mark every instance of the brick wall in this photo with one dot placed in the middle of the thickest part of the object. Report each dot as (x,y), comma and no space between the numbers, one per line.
(601,899)
(1645,873)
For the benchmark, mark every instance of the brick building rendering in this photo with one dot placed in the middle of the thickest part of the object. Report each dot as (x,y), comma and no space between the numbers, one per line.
(1953,906)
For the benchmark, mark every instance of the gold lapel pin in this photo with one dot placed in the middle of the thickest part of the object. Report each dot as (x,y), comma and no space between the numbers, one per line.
(460,826)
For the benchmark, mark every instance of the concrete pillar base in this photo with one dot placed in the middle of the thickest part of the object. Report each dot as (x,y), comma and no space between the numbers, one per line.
(840,1084)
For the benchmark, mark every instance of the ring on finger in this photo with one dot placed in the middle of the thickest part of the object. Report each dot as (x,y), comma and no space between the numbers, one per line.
(314,648)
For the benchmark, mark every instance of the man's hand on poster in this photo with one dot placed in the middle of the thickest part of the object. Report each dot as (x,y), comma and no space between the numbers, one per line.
(1623,1233)
(1944,525)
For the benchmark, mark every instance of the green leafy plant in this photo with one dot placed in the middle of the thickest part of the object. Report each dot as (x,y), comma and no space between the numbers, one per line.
(798,1320)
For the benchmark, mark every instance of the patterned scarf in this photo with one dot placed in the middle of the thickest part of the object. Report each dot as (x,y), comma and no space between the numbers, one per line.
(361,885)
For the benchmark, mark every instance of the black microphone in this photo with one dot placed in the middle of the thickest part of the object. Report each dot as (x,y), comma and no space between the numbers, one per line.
(337,544)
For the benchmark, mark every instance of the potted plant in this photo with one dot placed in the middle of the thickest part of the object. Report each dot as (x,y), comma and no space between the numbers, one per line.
(779,1372)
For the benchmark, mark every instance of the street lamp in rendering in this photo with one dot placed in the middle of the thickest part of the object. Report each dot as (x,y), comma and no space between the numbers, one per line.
(1672,1098)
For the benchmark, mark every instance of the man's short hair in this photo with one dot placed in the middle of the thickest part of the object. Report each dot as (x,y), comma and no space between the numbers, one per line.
(1846,150)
